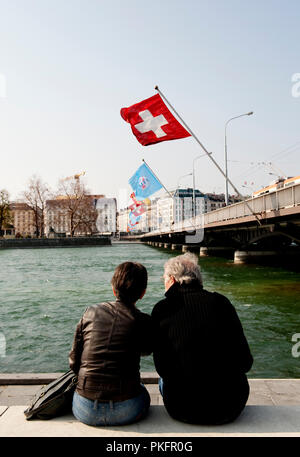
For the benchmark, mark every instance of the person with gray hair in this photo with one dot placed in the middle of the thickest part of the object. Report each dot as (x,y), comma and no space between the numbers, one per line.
(201,353)
(183,268)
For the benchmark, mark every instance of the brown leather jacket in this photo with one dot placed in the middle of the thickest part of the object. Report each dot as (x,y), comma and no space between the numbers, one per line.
(108,342)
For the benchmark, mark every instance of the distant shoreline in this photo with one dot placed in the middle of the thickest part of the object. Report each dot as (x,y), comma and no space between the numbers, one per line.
(29,243)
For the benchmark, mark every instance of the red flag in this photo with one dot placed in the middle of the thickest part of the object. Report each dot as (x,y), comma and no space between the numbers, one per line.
(151,121)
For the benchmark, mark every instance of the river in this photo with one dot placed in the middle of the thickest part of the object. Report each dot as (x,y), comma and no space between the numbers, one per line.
(43,293)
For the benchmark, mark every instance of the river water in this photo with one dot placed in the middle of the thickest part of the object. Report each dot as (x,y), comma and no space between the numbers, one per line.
(43,293)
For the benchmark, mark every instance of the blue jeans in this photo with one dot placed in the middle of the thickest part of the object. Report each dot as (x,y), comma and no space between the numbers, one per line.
(161,386)
(94,412)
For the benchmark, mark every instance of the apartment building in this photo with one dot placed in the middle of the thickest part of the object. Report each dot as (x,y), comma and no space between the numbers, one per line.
(106,215)
(65,217)
(22,219)
(175,211)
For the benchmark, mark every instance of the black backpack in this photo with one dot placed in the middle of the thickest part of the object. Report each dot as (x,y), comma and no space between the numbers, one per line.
(54,399)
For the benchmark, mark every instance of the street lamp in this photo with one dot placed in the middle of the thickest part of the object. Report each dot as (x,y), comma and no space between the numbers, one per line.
(174,201)
(194,202)
(248,187)
(183,176)
(226,169)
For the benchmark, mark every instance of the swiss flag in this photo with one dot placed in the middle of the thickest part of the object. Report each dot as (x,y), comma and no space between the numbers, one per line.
(151,121)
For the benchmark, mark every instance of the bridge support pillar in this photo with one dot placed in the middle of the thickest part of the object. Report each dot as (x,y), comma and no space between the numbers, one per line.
(175,247)
(167,245)
(253,256)
(222,251)
(190,248)
(203,251)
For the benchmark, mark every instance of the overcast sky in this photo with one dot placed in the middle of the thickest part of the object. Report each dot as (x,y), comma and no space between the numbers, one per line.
(67,67)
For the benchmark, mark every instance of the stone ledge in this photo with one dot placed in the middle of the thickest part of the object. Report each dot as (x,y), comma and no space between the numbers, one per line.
(7,379)
(272,421)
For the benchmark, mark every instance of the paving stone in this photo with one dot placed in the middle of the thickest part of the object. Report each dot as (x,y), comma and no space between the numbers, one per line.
(152,388)
(21,390)
(18,395)
(160,400)
(284,391)
(154,399)
(259,393)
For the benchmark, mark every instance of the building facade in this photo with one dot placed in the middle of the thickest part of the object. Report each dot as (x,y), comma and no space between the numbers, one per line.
(22,219)
(122,220)
(71,217)
(182,210)
(107,215)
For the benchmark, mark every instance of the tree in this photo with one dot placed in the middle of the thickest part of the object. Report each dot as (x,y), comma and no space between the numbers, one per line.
(35,196)
(76,204)
(5,216)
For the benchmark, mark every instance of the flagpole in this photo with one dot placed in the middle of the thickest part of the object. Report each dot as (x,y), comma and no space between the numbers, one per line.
(208,153)
(159,181)
(172,196)
(157,178)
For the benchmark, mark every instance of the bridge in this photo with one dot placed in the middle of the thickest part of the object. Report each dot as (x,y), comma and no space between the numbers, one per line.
(265,224)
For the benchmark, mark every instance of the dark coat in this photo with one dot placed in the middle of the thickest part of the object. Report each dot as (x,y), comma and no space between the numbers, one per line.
(202,355)
(108,342)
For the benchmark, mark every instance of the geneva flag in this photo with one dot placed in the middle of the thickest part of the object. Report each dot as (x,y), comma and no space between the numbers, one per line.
(144,183)
(151,121)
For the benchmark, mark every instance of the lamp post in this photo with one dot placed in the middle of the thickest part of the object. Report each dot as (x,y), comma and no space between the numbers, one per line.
(194,200)
(183,176)
(248,187)
(226,168)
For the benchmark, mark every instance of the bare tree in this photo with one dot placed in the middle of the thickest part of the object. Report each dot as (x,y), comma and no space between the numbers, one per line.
(76,204)
(35,196)
(5,216)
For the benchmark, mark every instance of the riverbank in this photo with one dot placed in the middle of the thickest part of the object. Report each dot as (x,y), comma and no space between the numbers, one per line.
(74,242)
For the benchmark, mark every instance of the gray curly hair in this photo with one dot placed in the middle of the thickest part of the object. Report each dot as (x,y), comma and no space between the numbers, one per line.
(184,268)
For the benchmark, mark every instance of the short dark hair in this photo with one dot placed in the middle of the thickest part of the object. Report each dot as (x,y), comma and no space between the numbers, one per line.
(129,281)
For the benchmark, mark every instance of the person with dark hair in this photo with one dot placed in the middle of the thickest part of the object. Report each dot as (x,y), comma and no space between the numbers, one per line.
(201,352)
(108,343)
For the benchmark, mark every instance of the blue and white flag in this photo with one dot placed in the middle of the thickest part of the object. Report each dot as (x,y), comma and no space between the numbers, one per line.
(144,183)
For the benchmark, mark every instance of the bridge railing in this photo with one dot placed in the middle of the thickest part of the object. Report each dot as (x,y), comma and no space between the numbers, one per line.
(282,198)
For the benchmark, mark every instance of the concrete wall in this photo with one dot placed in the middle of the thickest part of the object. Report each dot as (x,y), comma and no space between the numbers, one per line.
(20,243)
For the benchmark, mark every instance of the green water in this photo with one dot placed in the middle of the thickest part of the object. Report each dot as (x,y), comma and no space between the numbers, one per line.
(43,293)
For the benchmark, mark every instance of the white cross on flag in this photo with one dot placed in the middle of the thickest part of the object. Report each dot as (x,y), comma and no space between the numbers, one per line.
(151,121)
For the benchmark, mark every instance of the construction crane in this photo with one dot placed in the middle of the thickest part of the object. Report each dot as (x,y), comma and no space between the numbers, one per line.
(76,176)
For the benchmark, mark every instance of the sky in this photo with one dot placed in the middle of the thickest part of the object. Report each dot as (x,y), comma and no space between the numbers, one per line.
(67,67)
